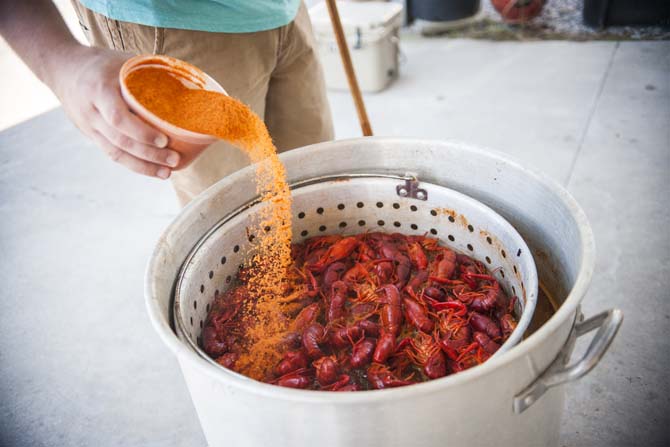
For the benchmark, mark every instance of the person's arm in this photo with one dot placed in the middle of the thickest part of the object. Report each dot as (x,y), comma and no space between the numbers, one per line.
(85,80)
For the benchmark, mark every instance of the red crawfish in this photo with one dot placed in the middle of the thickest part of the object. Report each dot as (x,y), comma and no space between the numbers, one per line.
(485,301)
(312,336)
(443,266)
(361,353)
(341,337)
(426,353)
(403,264)
(386,346)
(488,345)
(417,255)
(332,274)
(215,342)
(507,324)
(326,370)
(339,250)
(295,379)
(317,242)
(342,384)
(391,311)
(291,361)
(380,376)
(362,310)
(418,315)
(455,341)
(336,301)
(482,323)
(356,274)
(370,328)
(416,282)
(306,316)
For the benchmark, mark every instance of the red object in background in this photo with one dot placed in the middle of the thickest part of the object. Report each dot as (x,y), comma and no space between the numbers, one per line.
(518,11)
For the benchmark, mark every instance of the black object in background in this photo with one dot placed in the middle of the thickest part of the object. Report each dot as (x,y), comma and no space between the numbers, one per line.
(604,13)
(441,10)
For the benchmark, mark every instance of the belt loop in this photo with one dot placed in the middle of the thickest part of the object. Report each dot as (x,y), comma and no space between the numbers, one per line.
(155,51)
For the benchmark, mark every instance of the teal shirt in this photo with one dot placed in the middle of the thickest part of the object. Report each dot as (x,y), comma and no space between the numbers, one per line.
(224,16)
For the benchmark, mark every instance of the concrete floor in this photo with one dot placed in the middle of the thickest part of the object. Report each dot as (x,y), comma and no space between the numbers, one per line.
(80,364)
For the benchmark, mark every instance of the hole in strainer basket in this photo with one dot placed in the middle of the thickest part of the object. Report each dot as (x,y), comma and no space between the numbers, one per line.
(195,305)
(451,219)
(413,208)
(414,227)
(433,231)
(228,279)
(211,274)
(340,206)
(518,253)
(502,252)
(191,318)
(502,273)
(433,212)
(451,238)
(488,259)
(223,260)
(396,224)
(319,210)
(301,215)
(360,204)
(236,248)
(471,228)
(380,223)
(361,223)
(513,290)
(342,224)
(489,240)
(202,288)
(322,228)
(470,247)
(515,269)
(304,233)
(396,206)
(380,204)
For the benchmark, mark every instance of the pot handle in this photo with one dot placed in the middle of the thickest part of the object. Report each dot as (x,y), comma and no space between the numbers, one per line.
(559,372)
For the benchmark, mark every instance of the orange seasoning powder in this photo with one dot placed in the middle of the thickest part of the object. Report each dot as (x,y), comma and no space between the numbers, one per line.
(226,118)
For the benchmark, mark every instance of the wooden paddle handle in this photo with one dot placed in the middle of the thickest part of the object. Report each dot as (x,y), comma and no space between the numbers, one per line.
(349,68)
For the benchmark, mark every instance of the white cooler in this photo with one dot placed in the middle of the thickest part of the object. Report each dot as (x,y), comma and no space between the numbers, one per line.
(371,29)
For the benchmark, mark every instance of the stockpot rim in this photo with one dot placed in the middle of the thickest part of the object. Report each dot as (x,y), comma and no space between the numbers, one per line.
(567,309)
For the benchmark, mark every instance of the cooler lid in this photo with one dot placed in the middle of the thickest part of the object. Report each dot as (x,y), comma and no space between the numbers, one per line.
(356,16)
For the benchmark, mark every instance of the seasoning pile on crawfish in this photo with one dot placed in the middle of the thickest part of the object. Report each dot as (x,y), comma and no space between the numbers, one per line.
(370,311)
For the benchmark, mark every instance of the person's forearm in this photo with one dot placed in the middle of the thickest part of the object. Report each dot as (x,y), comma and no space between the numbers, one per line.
(37,33)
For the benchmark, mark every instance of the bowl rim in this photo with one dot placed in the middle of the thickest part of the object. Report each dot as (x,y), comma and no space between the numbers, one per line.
(144,61)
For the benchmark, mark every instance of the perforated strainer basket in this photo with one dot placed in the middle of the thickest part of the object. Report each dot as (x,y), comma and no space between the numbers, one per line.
(354,204)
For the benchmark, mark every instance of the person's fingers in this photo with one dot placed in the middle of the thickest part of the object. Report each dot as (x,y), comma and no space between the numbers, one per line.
(131,162)
(116,113)
(152,154)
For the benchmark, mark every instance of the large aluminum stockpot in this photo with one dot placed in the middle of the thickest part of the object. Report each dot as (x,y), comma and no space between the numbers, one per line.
(513,399)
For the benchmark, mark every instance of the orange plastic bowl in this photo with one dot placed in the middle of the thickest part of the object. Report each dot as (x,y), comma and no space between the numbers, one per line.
(188,144)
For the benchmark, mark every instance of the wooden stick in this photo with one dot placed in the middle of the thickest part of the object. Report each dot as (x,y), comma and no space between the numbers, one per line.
(349,68)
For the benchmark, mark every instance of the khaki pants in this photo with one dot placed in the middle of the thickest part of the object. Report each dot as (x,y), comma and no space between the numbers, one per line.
(275,72)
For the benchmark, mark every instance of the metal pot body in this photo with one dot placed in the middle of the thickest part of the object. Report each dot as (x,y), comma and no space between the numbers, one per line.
(513,399)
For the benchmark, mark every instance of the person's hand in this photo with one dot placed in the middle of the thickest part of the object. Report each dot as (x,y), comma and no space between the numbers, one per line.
(87,84)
